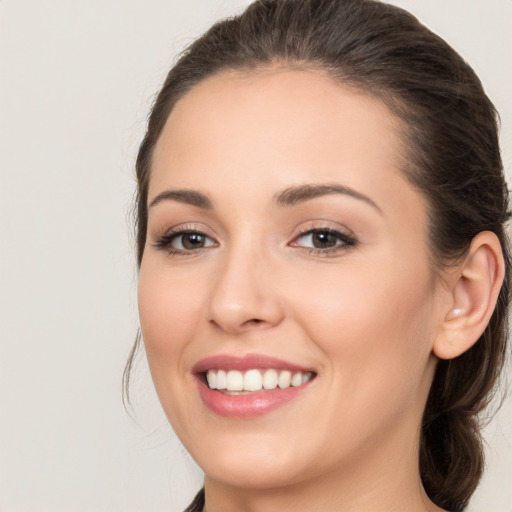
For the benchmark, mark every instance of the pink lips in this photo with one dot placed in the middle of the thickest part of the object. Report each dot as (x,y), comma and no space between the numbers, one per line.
(254,404)
(228,362)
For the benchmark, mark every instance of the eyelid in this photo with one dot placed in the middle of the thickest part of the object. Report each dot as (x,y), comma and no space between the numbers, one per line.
(323,225)
(185,227)
(164,241)
(346,236)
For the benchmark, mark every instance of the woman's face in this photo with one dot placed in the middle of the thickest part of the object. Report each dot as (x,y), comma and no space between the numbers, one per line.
(284,244)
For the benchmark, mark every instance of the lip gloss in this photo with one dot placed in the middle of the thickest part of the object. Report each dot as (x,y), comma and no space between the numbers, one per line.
(249,404)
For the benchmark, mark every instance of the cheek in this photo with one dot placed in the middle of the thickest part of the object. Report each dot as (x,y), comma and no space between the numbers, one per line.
(376,335)
(375,327)
(169,312)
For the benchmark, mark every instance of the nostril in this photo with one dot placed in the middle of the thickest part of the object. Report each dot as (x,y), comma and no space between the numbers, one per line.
(253,321)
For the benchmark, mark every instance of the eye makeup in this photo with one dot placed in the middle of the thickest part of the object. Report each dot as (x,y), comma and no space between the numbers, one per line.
(323,240)
(183,241)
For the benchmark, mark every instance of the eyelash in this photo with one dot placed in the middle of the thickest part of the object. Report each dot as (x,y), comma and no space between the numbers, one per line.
(344,243)
(166,240)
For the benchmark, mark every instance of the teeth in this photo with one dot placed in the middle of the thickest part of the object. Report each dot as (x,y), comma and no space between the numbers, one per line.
(285,379)
(306,377)
(211,377)
(270,379)
(220,381)
(297,379)
(234,381)
(255,379)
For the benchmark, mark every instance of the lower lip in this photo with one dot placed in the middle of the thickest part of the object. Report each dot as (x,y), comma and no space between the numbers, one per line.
(246,406)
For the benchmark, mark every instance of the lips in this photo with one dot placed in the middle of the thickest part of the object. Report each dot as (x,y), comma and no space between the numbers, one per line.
(250,385)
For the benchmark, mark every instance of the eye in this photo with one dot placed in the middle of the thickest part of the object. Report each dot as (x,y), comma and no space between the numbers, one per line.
(184,241)
(323,240)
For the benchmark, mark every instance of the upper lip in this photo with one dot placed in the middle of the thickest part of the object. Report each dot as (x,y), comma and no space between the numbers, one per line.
(245,362)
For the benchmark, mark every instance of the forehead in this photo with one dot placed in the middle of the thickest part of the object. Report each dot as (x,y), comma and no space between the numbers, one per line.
(281,126)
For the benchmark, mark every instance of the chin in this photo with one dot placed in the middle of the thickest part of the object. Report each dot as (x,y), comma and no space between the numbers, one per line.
(257,476)
(252,464)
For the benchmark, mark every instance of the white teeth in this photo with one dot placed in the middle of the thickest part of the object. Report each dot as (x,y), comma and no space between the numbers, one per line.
(255,379)
(297,379)
(211,377)
(220,381)
(270,379)
(306,377)
(234,381)
(285,379)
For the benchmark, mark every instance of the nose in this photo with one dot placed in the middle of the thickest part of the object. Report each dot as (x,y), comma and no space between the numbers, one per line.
(244,296)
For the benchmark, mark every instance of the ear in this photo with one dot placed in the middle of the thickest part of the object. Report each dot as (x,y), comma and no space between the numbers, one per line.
(473,288)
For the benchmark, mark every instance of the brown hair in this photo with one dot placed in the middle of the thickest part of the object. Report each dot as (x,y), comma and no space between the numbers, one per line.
(453,159)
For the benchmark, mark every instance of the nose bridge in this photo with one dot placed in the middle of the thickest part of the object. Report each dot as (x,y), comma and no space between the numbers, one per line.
(243,296)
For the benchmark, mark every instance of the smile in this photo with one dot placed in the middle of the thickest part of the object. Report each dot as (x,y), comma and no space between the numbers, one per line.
(249,386)
(255,379)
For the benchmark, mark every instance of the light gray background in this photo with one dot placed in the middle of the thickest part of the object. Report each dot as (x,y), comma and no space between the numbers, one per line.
(76,81)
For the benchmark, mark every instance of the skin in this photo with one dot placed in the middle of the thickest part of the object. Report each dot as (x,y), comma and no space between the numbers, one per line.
(364,316)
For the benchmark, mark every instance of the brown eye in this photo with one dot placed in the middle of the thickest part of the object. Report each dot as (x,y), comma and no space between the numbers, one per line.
(185,241)
(324,240)
(191,241)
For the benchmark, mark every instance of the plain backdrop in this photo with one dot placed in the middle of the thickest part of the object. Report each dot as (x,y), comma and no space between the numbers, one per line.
(76,82)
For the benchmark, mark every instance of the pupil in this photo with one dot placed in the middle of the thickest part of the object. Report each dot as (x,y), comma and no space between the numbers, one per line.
(324,239)
(193,241)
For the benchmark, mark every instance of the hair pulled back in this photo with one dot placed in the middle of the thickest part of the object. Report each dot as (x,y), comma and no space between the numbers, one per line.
(450,134)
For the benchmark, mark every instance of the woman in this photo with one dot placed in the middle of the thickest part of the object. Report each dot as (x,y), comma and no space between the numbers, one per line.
(323,266)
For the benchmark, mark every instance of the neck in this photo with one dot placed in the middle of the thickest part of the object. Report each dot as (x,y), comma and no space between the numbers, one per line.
(380,480)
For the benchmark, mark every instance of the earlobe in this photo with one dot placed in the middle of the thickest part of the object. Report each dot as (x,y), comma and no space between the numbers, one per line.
(474,289)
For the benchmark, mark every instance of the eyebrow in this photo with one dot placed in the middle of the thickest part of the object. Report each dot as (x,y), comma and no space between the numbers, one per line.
(191,197)
(287,197)
(300,193)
